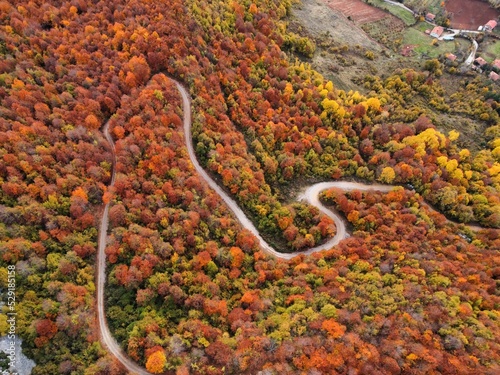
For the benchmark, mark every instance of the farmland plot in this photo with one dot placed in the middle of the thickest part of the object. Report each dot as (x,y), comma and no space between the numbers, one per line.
(357,10)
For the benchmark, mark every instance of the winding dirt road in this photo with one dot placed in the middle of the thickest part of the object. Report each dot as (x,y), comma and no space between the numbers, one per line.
(311,195)
(105,335)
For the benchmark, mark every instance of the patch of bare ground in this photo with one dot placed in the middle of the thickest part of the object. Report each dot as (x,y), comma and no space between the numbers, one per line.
(387,31)
(471,131)
(357,10)
(319,18)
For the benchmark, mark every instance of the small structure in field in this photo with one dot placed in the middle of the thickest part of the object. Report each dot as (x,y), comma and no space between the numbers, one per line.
(451,57)
(430,17)
(494,76)
(407,50)
(490,25)
(496,64)
(437,31)
(479,64)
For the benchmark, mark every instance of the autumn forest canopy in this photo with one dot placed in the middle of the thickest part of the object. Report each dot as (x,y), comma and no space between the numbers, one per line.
(413,290)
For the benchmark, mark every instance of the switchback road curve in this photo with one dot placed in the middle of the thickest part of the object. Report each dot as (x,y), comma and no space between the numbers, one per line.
(311,195)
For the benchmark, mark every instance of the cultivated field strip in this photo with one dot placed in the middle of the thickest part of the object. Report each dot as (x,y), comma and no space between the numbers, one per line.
(357,10)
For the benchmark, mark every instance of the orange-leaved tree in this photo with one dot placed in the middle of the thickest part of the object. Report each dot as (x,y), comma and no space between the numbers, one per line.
(156,362)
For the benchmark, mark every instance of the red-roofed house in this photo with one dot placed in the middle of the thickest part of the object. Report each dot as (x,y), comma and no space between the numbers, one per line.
(496,64)
(490,25)
(451,57)
(437,31)
(480,62)
(430,17)
(494,76)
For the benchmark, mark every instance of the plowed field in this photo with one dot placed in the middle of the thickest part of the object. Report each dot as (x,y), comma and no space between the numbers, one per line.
(469,14)
(359,11)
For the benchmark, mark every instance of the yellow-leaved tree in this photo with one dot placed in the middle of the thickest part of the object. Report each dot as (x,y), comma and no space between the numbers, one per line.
(387,175)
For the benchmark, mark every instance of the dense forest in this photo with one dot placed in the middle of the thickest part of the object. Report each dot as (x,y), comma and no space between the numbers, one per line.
(189,290)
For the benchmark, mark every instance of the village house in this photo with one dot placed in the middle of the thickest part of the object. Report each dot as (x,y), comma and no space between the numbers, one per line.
(490,25)
(437,31)
(494,76)
(480,62)
(451,57)
(430,17)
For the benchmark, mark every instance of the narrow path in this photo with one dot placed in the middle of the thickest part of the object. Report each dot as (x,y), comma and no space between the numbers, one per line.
(472,55)
(401,6)
(105,335)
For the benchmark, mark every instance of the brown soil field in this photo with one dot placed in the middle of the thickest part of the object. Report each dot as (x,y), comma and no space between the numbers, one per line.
(470,14)
(359,11)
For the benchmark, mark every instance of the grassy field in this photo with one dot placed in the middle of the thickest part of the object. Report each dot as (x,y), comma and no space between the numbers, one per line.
(430,5)
(395,10)
(492,50)
(386,32)
(425,47)
(422,26)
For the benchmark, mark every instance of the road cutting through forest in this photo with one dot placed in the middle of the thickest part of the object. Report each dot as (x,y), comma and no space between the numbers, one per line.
(310,195)
(102,325)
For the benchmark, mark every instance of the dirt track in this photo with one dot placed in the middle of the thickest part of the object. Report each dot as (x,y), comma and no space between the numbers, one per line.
(311,195)
(103,330)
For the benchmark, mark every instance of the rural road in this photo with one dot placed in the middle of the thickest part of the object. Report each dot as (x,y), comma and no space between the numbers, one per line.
(472,55)
(311,195)
(106,338)
(400,5)
(454,32)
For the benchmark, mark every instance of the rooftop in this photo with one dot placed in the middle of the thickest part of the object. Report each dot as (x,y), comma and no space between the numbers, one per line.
(451,57)
(480,61)
(437,31)
(491,24)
